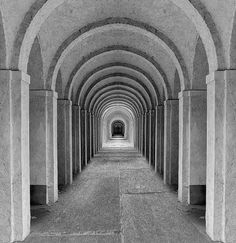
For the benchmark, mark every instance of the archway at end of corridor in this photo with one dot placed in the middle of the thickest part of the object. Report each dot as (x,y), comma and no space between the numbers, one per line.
(118,127)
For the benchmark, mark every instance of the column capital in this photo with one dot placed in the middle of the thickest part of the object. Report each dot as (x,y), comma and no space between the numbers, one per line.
(220,76)
(151,111)
(75,107)
(192,92)
(16,75)
(43,92)
(215,76)
(83,110)
(158,106)
(170,101)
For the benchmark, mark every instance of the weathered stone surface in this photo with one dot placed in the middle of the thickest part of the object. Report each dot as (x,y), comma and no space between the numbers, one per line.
(64,121)
(171,143)
(114,201)
(14,156)
(220,209)
(43,145)
(67,238)
(192,145)
(154,218)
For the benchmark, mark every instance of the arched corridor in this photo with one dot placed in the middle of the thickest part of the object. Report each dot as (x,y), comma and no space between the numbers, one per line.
(138,98)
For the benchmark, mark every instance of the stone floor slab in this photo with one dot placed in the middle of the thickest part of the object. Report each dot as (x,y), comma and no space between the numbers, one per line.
(74,239)
(140,181)
(151,218)
(116,199)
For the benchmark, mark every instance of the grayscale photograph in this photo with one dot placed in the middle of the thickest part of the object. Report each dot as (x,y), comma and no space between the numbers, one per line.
(117,121)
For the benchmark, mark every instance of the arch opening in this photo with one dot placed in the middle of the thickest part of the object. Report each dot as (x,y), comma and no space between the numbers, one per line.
(118,129)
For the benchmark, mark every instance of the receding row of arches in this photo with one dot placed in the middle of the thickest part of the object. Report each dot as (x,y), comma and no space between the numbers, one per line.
(156,76)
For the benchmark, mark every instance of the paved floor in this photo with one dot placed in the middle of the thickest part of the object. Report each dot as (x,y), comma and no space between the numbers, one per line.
(117,198)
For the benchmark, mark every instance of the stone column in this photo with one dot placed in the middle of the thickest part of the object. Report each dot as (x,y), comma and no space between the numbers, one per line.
(93,136)
(88,136)
(159,135)
(79,135)
(150,136)
(157,140)
(192,146)
(96,133)
(14,156)
(99,134)
(97,128)
(85,137)
(138,132)
(82,138)
(75,142)
(221,154)
(141,133)
(64,109)
(144,134)
(171,141)
(43,147)
(147,135)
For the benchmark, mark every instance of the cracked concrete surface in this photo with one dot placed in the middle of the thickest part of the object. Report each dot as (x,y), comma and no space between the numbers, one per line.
(117,198)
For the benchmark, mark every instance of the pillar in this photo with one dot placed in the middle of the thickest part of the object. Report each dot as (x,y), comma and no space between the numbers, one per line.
(147,135)
(65,174)
(99,134)
(221,154)
(144,134)
(82,138)
(43,147)
(141,133)
(92,136)
(14,156)
(150,136)
(79,137)
(75,139)
(171,141)
(95,133)
(192,146)
(88,136)
(138,132)
(85,137)
(159,139)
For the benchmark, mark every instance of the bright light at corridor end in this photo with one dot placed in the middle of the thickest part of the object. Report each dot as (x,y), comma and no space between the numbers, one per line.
(122,114)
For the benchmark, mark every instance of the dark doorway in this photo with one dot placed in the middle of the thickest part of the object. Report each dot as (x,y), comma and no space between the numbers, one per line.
(118,129)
